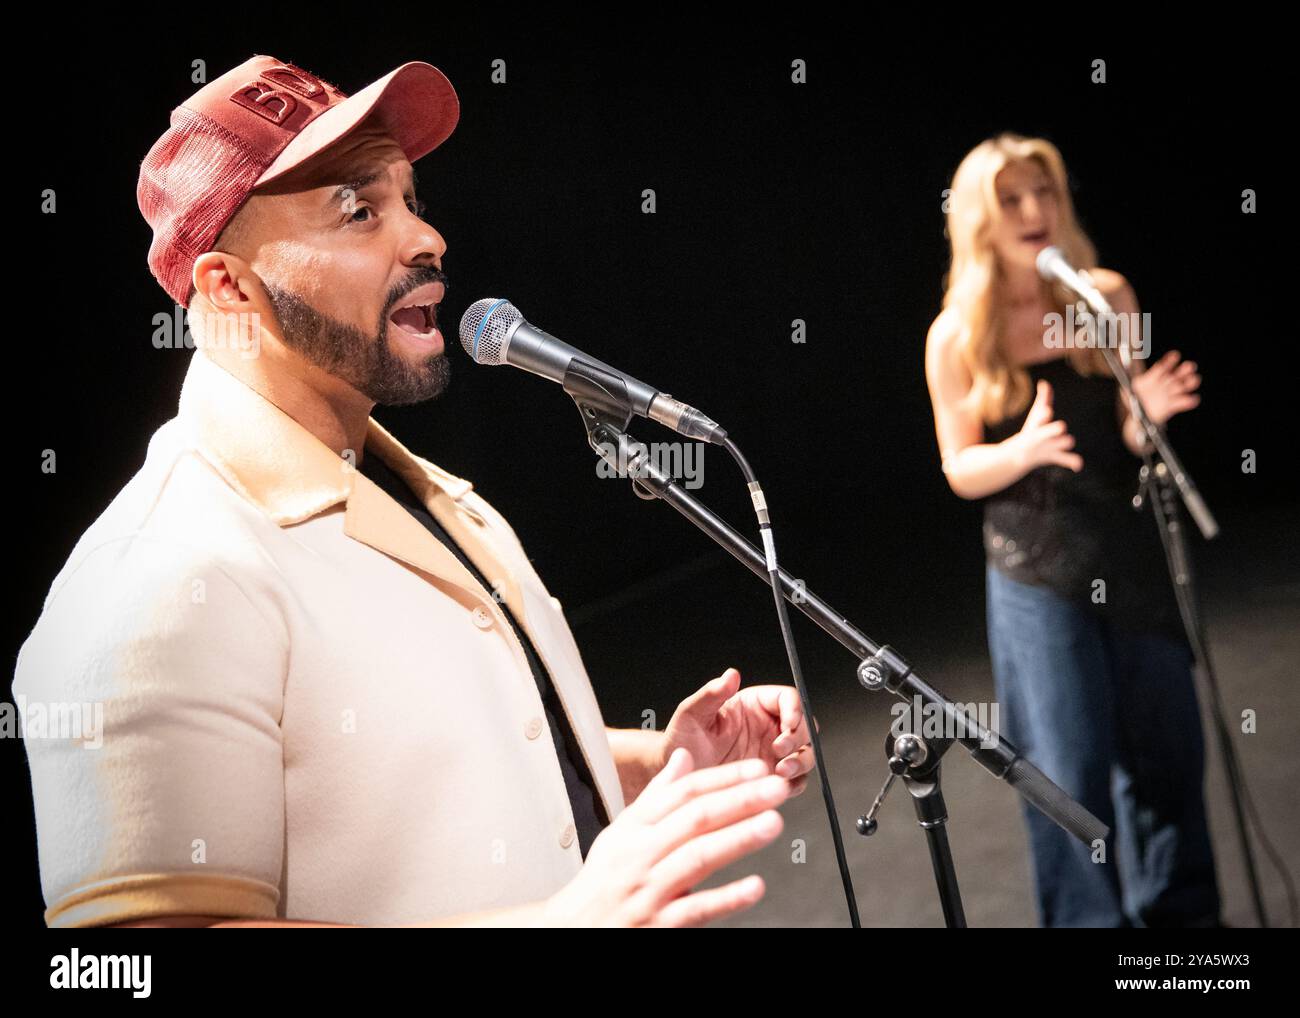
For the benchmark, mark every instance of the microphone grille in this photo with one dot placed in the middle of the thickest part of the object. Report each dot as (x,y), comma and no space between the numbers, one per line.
(1047,260)
(484,327)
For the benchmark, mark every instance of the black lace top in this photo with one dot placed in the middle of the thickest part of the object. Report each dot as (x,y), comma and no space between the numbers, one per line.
(1066,531)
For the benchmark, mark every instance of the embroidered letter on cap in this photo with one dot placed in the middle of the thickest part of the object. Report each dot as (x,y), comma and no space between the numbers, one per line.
(274,103)
(295,79)
(268,103)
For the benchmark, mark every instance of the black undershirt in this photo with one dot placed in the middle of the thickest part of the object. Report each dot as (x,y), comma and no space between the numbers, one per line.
(588,814)
(1058,529)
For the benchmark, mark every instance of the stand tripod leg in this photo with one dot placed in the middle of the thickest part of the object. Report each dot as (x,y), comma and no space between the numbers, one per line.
(932,816)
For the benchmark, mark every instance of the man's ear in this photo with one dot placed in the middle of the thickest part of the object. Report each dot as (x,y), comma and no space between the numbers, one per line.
(228,284)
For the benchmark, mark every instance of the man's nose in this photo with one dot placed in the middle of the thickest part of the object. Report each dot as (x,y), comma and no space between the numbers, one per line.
(423,245)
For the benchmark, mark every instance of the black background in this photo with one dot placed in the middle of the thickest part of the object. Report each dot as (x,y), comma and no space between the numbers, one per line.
(775,202)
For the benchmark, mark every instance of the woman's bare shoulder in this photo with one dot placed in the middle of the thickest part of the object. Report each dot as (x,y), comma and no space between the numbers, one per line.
(943,332)
(942,357)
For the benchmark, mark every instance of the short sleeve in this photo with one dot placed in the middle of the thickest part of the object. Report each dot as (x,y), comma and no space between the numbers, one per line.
(150,694)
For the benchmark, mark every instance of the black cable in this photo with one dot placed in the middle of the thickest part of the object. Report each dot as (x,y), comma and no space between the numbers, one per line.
(787,635)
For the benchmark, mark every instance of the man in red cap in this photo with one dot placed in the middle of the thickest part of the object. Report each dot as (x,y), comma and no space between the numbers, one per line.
(334,690)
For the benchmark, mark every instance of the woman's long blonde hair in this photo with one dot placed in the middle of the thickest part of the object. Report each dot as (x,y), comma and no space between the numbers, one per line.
(1001,389)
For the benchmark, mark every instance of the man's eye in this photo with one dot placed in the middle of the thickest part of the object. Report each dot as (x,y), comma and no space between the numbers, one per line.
(363,208)
(417,207)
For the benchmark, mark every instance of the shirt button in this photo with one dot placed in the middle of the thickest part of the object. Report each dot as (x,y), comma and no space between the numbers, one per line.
(482,618)
(534,728)
(566,838)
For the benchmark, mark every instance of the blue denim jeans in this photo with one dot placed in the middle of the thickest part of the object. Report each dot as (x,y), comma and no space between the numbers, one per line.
(1110,716)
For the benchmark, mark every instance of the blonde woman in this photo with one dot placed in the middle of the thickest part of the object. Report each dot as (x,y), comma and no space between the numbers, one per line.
(1092,671)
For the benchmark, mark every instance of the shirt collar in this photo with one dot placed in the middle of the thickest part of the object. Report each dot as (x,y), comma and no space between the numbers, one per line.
(275,462)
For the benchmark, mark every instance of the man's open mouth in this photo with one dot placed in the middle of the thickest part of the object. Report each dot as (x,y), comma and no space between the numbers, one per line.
(418,312)
(419,319)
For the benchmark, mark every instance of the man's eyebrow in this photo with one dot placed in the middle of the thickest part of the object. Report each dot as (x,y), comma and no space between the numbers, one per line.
(364,179)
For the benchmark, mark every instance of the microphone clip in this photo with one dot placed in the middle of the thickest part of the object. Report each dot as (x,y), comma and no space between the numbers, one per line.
(606,411)
(601,395)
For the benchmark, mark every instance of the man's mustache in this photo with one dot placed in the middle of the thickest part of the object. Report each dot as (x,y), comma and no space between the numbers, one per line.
(418,278)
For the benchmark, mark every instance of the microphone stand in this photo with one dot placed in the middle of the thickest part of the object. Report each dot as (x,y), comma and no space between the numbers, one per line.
(1162,481)
(916,761)
(605,410)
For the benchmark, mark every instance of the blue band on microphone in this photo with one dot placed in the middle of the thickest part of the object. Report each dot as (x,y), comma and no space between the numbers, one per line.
(483,325)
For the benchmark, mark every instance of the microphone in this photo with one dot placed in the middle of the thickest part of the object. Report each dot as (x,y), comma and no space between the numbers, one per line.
(492,331)
(1052,265)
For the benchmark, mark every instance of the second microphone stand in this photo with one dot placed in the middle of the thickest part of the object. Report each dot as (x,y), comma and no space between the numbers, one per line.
(1163,482)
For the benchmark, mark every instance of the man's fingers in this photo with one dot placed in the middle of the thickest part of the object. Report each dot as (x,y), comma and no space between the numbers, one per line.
(714,810)
(781,702)
(714,903)
(713,694)
(791,709)
(701,857)
(797,763)
(789,741)
(658,802)
(679,762)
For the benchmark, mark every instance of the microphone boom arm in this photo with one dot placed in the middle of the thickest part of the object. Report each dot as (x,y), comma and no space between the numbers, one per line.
(601,401)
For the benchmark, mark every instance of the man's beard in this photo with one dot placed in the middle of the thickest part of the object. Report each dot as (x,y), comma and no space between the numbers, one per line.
(364,362)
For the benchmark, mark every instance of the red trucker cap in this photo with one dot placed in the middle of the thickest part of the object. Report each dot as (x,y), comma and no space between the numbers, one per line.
(254,124)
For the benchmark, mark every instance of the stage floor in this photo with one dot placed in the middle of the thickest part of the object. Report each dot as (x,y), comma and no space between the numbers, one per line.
(933,615)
